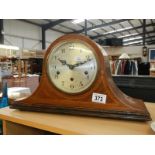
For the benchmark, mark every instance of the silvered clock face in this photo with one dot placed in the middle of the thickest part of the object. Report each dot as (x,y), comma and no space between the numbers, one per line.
(72,66)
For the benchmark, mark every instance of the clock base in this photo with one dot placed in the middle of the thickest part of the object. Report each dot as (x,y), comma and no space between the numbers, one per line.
(99,113)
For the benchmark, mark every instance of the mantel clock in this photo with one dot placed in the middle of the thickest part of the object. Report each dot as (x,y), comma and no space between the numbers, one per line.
(76,79)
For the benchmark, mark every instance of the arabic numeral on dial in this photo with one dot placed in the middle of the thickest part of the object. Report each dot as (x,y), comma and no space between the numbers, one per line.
(63,50)
(87,57)
(71,46)
(71,86)
(81,84)
(92,67)
(56,76)
(63,83)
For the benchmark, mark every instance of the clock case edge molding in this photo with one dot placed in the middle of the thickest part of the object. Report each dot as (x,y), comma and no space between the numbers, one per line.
(47,98)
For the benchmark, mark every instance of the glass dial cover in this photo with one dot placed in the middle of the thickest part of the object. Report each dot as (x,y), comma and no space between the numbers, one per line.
(72,66)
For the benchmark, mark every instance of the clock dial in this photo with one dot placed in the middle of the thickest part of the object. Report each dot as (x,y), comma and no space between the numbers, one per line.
(72,66)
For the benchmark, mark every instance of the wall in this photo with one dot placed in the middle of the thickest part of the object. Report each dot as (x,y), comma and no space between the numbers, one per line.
(25,35)
(28,36)
(51,36)
(132,51)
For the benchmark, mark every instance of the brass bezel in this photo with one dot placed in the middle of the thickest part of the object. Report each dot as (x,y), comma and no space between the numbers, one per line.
(60,44)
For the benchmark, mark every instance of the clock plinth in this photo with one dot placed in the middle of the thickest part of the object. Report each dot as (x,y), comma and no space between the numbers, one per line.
(50,97)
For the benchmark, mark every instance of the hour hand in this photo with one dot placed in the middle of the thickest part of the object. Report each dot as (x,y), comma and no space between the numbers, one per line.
(62,61)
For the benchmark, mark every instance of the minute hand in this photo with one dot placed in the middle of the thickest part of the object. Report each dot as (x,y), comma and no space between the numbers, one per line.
(81,63)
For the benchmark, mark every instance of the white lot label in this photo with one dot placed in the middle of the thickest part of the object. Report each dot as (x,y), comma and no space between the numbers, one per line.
(99,98)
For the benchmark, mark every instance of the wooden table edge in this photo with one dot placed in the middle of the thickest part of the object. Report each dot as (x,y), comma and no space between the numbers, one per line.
(38,125)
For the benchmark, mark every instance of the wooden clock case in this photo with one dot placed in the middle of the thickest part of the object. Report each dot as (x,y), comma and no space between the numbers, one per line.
(47,98)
